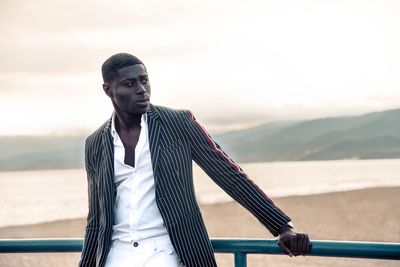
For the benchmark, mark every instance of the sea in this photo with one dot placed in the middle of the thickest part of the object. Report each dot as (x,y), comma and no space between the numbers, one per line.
(28,197)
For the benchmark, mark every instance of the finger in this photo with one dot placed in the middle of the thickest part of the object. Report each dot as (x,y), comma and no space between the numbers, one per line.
(293,244)
(299,245)
(282,245)
(302,244)
(306,241)
(308,244)
(285,249)
(305,244)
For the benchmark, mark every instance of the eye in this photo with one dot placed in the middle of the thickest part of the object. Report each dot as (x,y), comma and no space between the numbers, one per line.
(144,80)
(130,84)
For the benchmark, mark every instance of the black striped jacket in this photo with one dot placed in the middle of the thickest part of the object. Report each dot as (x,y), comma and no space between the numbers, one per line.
(176,139)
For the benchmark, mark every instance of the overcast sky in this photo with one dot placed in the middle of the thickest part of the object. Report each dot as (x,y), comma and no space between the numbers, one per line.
(233,63)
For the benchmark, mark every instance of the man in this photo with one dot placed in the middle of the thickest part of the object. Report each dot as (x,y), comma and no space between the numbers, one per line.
(142,206)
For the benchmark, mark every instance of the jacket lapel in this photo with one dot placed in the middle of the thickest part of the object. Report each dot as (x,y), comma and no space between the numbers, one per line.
(155,135)
(107,169)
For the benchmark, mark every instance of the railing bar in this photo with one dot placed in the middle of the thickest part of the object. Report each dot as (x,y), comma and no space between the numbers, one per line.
(240,259)
(371,250)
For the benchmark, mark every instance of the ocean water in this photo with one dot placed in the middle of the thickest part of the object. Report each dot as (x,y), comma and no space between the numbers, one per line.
(37,196)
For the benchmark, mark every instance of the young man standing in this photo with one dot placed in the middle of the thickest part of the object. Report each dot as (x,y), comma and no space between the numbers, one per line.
(142,206)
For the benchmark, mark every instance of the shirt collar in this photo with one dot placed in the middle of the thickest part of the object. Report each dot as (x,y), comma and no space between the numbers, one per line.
(143,120)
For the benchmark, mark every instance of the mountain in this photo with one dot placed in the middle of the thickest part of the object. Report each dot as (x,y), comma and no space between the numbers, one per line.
(370,136)
(41,152)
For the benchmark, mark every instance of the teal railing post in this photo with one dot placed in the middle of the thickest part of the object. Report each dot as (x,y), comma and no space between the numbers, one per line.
(240,259)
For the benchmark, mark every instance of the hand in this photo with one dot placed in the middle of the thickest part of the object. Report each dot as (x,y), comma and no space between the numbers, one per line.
(292,243)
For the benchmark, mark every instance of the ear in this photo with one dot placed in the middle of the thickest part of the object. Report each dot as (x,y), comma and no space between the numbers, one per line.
(107,89)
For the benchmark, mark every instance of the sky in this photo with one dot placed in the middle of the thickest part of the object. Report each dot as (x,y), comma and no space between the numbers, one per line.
(234,64)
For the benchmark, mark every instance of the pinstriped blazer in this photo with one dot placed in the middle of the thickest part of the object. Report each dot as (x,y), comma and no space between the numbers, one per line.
(176,138)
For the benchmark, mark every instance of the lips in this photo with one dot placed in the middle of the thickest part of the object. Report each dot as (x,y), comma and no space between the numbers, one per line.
(143,102)
(143,99)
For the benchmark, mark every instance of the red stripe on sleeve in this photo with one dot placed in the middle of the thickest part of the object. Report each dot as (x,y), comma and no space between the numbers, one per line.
(214,146)
(222,154)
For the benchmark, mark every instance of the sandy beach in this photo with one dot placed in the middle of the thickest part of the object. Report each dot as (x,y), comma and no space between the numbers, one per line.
(361,215)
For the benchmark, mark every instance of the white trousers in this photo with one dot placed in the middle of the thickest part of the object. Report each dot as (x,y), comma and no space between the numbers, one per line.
(151,252)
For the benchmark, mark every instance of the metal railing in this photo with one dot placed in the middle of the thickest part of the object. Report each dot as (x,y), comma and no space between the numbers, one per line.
(239,247)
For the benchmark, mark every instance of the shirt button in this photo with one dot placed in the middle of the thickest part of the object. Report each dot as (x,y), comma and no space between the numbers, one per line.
(135,244)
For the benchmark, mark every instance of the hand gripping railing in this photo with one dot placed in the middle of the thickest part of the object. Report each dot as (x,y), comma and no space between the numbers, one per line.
(239,247)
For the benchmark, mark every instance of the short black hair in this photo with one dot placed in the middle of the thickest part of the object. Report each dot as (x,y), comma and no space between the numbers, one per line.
(110,67)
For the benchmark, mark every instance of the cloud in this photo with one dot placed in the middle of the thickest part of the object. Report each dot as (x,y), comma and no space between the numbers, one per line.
(63,16)
(57,57)
(233,63)
(74,36)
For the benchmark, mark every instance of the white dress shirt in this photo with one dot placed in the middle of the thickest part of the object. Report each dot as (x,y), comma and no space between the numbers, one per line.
(136,215)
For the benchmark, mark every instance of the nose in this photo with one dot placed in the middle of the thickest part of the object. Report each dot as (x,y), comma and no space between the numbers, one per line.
(140,89)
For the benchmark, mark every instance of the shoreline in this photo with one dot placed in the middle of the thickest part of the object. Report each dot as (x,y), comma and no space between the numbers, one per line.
(40,168)
(203,206)
(284,203)
(371,214)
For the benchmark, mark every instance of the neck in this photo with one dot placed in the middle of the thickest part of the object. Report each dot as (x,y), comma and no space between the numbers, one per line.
(126,122)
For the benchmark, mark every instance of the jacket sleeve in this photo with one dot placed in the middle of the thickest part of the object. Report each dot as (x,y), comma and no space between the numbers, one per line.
(230,177)
(88,256)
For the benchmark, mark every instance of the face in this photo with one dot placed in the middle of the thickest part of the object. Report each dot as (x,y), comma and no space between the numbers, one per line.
(130,90)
